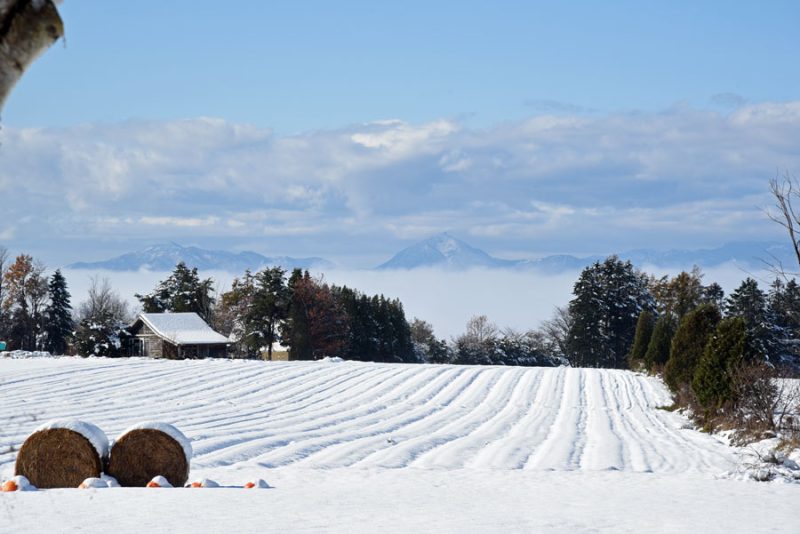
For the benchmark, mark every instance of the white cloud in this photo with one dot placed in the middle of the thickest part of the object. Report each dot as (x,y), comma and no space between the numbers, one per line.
(680,178)
(181,222)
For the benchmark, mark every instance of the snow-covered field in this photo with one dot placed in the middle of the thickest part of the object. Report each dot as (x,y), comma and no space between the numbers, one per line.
(375,447)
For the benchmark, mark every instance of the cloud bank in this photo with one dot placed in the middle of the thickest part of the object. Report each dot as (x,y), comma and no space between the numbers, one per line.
(682,178)
(520,300)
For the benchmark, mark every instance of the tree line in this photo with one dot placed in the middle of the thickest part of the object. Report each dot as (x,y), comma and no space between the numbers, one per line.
(719,355)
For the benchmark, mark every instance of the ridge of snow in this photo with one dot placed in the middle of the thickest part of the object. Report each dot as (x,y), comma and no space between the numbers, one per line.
(93,483)
(93,434)
(24,354)
(23,484)
(204,483)
(167,429)
(258,483)
(110,481)
(160,481)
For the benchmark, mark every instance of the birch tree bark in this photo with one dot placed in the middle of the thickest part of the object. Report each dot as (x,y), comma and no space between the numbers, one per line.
(27,29)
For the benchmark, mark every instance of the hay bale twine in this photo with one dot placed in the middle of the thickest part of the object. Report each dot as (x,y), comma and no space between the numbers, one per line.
(147,450)
(62,454)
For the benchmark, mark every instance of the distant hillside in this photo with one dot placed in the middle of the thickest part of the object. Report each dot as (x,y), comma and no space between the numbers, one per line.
(165,257)
(446,251)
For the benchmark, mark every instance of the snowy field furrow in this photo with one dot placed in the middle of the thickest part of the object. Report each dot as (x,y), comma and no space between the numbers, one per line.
(481,438)
(326,415)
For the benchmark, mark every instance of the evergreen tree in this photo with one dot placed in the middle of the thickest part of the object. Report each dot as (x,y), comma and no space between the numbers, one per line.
(182,291)
(714,294)
(609,297)
(750,303)
(269,308)
(641,340)
(660,342)
(58,314)
(783,311)
(688,345)
(296,332)
(727,349)
(586,341)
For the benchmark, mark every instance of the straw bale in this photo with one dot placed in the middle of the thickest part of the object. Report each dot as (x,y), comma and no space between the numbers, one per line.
(144,453)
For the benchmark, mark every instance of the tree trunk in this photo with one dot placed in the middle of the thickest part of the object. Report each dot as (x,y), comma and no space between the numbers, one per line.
(27,29)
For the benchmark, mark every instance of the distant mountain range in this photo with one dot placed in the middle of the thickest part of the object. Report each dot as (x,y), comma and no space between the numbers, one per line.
(448,252)
(165,257)
(445,252)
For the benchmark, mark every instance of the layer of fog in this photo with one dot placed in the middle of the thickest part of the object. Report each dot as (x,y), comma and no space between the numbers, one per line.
(521,300)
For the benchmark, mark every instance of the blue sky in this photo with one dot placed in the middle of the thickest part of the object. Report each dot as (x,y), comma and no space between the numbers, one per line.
(350,129)
(301,65)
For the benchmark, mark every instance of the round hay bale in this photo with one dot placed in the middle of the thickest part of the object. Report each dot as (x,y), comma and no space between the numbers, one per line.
(143,453)
(56,457)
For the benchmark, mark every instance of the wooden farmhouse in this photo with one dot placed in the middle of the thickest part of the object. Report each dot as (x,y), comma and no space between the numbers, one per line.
(175,336)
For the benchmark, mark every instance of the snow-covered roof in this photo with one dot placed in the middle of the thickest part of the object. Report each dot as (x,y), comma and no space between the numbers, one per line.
(182,328)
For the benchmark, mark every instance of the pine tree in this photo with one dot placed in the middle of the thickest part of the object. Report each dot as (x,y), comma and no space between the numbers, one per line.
(750,303)
(660,342)
(269,308)
(586,341)
(688,345)
(402,347)
(783,311)
(182,291)
(641,340)
(714,294)
(296,331)
(727,349)
(609,297)
(58,314)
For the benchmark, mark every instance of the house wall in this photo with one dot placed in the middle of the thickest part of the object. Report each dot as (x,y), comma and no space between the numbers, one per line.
(153,346)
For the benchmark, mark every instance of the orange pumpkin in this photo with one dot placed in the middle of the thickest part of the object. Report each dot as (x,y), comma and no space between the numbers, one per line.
(250,485)
(153,484)
(197,484)
(10,486)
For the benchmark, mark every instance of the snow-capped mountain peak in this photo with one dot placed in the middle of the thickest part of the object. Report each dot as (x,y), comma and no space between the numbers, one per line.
(443,250)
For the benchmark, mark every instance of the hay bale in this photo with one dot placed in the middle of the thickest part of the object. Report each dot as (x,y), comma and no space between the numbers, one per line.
(62,454)
(149,450)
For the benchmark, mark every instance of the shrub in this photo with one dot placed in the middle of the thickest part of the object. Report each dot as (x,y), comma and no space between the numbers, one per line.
(641,339)
(714,379)
(660,341)
(687,347)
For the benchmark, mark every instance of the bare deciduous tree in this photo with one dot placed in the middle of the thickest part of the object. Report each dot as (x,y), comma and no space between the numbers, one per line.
(556,330)
(103,302)
(786,191)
